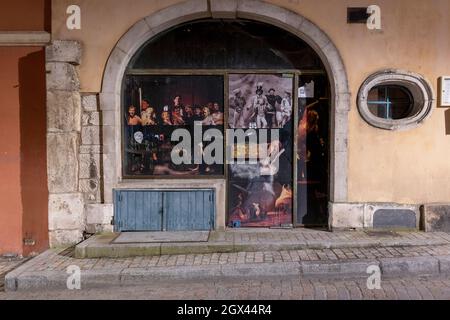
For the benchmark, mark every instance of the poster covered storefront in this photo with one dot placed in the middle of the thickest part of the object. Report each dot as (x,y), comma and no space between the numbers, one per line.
(237,110)
(232,114)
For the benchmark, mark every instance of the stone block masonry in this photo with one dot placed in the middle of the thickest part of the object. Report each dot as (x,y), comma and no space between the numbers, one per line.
(436,217)
(90,184)
(98,215)
(66,201)
(74,142)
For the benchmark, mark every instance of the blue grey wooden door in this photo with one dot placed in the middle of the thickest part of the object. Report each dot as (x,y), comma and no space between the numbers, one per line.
(164,210)
(138,211)
(188,210)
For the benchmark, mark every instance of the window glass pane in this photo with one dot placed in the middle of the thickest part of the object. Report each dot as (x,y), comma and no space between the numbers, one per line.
(390,102)
(260,118)
(312,151)
(374,95)
(156,109)
(226,44)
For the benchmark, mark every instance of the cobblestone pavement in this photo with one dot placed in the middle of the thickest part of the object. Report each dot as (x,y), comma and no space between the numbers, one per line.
(259,289)
(237,240)
(299,235)
(60,260)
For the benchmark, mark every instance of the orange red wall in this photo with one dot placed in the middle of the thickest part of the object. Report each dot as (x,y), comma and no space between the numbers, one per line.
(23,170)
(25,15)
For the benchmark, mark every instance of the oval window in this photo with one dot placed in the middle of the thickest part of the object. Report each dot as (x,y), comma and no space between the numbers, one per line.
(395,100)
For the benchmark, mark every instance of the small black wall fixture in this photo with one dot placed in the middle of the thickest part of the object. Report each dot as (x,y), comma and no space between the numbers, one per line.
(357,15)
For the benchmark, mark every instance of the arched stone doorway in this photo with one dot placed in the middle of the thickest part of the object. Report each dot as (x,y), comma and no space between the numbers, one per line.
(141,32)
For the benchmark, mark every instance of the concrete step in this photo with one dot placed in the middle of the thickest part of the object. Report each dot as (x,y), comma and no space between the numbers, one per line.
(31,275)
(100,246)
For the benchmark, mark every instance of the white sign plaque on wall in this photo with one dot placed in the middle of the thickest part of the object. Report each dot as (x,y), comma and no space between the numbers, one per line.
(445,91)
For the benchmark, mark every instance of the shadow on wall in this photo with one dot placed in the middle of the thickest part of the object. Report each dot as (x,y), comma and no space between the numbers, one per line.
(48,15)
(33,123)
(447,122)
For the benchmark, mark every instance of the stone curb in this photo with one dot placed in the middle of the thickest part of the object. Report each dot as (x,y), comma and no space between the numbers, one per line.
(410,266)
(92,248)
(21,279)
(11,279)
(345,268)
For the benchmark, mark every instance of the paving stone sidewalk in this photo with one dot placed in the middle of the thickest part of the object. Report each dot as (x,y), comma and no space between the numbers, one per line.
(49,270)
(294,288)
(7,265)
(59,260)
(256,240)
(320,239)
(397,254)
(304,234)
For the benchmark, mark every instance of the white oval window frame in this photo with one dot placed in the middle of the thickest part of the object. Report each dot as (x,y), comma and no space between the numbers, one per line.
(418,86)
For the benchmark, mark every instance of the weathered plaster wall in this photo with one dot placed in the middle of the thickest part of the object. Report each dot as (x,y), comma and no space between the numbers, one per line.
(10,191)
(33,151)
(402,167)
(23,176)
(25,15)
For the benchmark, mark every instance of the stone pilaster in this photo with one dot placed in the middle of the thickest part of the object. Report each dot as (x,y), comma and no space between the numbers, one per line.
(98,214)
(66,202)
(91,148)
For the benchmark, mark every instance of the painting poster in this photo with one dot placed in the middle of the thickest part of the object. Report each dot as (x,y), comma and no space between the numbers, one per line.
(262,105)
(154,108)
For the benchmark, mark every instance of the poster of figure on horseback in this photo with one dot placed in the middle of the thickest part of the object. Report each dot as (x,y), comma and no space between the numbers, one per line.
(258,197)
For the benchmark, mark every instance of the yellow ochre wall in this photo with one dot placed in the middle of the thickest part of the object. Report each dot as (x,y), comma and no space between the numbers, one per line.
(410,166)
